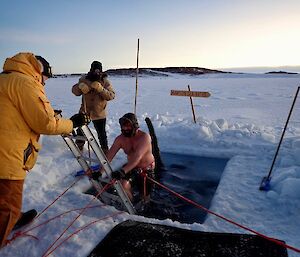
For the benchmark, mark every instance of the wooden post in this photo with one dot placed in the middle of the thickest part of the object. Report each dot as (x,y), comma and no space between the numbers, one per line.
(137,73)
(190,94)
(193,110)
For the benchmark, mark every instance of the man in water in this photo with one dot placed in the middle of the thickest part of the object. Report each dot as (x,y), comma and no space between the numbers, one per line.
(136,144)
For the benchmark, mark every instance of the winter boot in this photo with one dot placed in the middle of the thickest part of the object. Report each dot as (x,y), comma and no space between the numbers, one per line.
(26,218)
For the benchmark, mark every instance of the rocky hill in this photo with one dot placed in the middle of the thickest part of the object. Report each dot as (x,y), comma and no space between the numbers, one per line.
(281,72)
(131,72)
(162,71)
(165,72)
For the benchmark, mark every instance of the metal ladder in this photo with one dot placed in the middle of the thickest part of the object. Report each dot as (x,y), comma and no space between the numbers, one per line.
(108,198)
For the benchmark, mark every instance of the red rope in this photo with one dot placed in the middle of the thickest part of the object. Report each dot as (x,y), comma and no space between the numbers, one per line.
(24,233)
(145,186)
(58,197)
(18,234)
(59,215)
(82,228)
(103,189)
(222,217)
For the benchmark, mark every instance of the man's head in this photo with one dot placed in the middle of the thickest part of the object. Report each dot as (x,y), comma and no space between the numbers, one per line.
(95,71)
(129,124)
(96,67)
(46,68)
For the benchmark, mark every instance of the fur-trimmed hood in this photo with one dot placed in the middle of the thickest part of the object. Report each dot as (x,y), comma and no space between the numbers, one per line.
(24,63)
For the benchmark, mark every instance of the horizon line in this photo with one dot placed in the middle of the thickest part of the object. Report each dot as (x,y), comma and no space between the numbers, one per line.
(270,69)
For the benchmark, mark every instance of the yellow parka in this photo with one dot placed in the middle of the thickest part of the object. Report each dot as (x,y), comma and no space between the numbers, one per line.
(95,103)
(25,113)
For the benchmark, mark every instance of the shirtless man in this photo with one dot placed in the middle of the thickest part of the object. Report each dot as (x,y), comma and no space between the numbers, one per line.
(137,146)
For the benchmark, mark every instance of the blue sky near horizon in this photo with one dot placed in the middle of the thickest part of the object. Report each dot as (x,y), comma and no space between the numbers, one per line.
(211,34)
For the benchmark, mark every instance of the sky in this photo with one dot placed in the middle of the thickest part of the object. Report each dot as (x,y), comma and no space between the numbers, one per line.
(209,34)
(242,120)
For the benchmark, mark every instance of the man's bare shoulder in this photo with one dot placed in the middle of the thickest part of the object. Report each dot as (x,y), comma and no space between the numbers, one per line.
(119,138)
(143,135)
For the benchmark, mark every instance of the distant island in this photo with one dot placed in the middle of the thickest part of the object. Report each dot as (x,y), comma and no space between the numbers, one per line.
(281,72)
(163,71)
(167,71)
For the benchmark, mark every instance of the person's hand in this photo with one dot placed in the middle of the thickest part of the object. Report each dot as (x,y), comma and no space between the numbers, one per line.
(80,119)
(97,86)
(57,112)
(95,175)
(84,88)
(118,174)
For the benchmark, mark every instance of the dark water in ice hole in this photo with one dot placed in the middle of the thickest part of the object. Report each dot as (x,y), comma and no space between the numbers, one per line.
(194,177)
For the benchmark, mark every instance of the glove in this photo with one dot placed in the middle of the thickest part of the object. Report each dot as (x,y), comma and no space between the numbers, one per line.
(57,112)
(118,174)
(80,119)
(84,88)
(97,86)
(95,175)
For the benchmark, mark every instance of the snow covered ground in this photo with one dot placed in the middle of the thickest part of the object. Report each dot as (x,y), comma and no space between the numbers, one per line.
(242,120)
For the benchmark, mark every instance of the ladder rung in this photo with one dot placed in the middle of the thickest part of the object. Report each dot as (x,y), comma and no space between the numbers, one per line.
(89,159)
(121,196)
(83,138)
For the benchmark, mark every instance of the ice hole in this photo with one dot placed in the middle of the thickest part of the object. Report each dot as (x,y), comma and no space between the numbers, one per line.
(194,177)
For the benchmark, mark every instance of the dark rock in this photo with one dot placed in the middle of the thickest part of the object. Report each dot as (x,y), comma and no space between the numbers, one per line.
(137,239)
(281,72)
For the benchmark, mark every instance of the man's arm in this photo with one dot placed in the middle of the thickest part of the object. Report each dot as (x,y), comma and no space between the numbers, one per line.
(76,89)
(38,113)
(105,89)
(108,92)
(116,146)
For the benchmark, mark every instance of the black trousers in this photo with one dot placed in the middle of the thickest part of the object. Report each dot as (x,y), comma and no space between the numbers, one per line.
(100,128)
(138,182)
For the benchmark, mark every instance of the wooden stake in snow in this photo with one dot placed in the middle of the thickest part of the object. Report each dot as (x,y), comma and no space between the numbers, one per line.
(190,94)
(193,110)
(137,73)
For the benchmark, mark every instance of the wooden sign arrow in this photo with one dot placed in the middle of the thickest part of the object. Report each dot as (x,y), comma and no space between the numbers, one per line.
(190,93)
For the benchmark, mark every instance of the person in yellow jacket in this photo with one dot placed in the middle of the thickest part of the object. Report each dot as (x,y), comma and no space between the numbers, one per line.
(25,113)
(96,91)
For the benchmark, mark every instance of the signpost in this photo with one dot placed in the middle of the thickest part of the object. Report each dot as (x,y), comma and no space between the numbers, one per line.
(190,94)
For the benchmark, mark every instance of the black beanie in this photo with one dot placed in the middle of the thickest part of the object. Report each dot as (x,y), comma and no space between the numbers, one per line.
(96,66)
(46,66)
(131,118)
